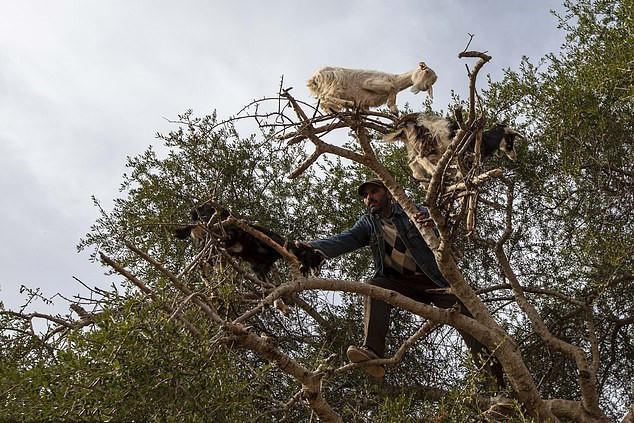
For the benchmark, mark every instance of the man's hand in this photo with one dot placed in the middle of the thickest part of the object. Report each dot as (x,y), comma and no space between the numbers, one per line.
(423,219)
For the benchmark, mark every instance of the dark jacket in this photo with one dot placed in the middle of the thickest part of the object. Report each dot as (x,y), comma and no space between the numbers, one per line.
(367,231)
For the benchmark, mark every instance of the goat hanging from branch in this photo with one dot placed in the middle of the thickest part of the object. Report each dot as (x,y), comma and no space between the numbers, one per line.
(239,243)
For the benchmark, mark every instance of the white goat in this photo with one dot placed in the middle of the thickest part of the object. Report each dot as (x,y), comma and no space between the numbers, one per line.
(340,87)
(426,138)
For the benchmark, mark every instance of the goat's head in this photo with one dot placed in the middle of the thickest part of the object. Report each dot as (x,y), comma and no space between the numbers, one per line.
(500,140)
(197,229)
(405,129)
(316,83)
(422,136)
(422,79)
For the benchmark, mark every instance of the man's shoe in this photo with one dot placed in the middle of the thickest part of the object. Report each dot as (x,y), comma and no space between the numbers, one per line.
(361,354)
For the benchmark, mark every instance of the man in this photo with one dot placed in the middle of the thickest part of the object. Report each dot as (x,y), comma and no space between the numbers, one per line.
(403,263)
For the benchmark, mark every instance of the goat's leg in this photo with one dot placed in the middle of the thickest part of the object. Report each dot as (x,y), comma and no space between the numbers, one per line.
(427,164)
(419,171)
(391,102)
(336,103)
(382,87)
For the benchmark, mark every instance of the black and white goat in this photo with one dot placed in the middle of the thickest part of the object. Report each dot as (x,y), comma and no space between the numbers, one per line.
(427,137)
(338,88)
(240,244)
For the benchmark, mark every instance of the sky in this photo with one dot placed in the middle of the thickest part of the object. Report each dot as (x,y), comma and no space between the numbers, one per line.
(85,84)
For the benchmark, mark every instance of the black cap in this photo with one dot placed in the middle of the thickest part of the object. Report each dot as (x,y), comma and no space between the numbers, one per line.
(375,181)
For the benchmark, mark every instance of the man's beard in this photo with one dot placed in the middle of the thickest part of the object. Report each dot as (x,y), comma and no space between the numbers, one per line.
(376,208)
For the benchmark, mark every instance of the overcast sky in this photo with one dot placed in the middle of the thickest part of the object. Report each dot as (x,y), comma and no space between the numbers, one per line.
(83,84)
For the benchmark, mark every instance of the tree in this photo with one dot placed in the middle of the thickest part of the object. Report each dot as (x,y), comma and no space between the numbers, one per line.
(540,255)
(576,184)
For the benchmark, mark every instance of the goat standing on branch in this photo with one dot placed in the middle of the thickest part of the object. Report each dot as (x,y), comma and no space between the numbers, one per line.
(427,137)
(337,88)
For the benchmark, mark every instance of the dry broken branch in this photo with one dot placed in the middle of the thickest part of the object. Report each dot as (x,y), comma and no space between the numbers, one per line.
(484,58)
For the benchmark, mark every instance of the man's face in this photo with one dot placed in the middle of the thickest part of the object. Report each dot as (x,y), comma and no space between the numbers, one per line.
(377,200)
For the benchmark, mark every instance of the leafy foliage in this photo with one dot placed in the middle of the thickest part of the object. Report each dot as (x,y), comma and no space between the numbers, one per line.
(575,205)
(571,246)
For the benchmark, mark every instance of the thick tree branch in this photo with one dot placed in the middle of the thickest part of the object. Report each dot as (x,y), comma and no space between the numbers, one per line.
(493,337)
(587,374)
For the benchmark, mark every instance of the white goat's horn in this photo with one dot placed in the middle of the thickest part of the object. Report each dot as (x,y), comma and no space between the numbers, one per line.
(430,92)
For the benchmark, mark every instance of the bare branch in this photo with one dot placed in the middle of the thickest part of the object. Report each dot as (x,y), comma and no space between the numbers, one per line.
(472,80)
(488,175)
(145,289)
(469,42)
(307,163)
